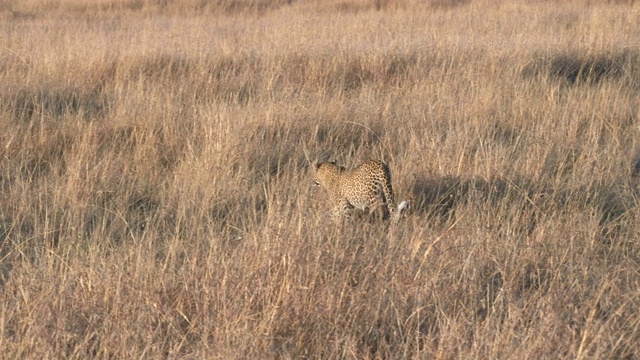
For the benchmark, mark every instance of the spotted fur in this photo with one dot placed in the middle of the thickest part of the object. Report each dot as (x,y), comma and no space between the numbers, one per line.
(366,187)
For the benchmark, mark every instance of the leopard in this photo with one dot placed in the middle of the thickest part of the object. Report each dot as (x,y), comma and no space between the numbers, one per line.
(365,187)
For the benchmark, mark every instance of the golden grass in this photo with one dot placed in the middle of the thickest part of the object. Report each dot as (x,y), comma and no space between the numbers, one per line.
(157,200)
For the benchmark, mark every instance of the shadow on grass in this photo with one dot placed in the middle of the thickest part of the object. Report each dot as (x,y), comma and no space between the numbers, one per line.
(586,69)
(58,102)
(441,199)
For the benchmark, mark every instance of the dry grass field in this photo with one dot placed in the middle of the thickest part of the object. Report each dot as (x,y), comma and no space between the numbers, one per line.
(157,200)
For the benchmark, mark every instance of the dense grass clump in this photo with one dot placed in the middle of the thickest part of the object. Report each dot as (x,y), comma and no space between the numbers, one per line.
(156,188)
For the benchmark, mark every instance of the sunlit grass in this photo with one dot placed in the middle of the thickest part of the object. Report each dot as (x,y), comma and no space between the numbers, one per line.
(157,196)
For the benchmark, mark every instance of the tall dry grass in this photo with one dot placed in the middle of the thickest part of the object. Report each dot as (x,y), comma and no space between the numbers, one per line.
(157,201)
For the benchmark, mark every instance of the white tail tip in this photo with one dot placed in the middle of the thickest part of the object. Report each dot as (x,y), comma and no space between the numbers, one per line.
(403,206)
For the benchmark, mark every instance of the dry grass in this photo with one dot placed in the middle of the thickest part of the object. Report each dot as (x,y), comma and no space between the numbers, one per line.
(157,201)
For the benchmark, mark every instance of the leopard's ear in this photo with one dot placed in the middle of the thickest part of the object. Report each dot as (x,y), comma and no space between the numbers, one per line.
(339,167)
(316,165)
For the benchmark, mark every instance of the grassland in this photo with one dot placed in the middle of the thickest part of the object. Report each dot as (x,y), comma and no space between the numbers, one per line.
(157,201)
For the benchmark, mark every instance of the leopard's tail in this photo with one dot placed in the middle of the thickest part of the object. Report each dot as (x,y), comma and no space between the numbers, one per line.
(402,207)
(387,190)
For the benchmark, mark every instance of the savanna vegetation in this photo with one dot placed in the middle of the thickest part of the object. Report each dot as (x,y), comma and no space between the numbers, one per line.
(156,195)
